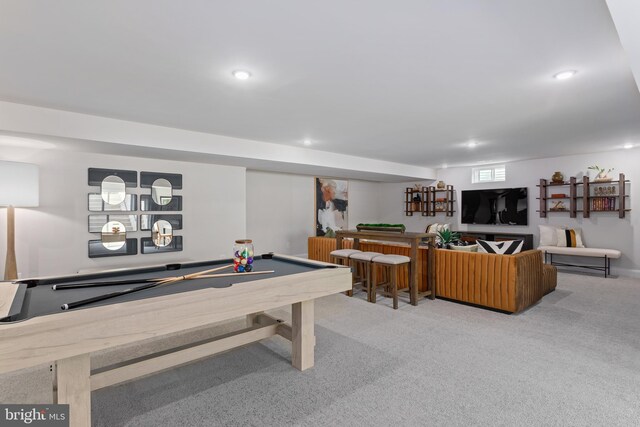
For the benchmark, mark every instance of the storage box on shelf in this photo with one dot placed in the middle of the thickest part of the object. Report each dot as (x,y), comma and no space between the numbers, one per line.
(582,199)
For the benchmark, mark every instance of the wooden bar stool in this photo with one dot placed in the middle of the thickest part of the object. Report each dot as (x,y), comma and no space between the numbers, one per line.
(392,263)
(341,257)
(363,260)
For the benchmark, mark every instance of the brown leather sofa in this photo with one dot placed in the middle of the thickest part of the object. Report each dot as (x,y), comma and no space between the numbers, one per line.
(508,283)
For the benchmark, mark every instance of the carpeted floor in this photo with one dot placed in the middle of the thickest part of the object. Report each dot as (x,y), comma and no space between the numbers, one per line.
(571,360)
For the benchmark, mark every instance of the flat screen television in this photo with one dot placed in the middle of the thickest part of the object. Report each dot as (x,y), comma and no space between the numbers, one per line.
(503,206)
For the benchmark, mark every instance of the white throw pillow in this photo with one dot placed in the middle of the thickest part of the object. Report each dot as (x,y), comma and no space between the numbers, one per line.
(548,235)
(435,227)
(570,238)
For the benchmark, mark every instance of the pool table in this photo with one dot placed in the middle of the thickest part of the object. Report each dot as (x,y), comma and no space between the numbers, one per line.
(34,329)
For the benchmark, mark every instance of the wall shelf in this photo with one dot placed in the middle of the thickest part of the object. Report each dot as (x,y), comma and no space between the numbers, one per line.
(429,201)
(615,202)
(415,201)
(439,204)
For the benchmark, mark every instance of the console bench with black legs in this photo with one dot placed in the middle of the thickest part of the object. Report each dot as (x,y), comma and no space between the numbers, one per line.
(604,254)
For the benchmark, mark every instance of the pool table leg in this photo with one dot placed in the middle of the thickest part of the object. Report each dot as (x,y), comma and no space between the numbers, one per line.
(303,339)
(72,386)
(253,318)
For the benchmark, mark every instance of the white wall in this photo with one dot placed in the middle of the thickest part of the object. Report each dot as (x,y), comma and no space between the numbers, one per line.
(52,239)
(280,210)
(603,230)
(392,200)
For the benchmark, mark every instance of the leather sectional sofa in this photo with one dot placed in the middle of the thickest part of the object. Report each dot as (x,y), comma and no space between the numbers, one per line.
(508,283)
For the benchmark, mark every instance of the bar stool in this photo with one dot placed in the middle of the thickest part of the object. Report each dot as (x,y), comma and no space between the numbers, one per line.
(341,257)
(392,263)
(363,260)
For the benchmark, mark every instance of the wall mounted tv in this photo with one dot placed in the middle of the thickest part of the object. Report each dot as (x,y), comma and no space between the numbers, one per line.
(503,206)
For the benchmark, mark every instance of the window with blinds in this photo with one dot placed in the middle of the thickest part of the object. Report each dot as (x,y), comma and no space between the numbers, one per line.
(488,174)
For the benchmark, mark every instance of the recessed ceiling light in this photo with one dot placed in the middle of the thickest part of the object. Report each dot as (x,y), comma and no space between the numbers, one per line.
(444,166)
(241,74)
(472,144)
(563,75)
(627,146)
(307,142)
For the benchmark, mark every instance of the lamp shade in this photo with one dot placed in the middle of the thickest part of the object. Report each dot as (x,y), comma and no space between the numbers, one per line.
(19,184)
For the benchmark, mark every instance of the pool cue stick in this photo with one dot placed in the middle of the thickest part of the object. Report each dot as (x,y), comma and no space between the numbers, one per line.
(213,276)
(103,297)
(80,303)
(129,281)
(192,275)
(98,284)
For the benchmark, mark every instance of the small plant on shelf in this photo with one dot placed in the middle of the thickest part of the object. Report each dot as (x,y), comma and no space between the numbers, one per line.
(601,174)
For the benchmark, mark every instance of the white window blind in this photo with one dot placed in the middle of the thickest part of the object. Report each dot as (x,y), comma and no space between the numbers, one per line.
(488,174)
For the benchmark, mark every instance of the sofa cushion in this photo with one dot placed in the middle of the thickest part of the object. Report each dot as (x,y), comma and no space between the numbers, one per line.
(569,238)
(507,247)
(548,236)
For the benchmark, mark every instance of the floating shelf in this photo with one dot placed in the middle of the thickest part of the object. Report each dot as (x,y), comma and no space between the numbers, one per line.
(617,202)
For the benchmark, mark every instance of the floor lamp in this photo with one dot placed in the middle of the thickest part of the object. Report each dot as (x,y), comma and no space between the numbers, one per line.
(19,187)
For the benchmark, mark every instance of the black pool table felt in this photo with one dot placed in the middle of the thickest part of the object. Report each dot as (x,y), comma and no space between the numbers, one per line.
(41,300)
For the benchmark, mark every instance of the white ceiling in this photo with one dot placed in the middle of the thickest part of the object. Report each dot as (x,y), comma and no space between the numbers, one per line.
(406,81)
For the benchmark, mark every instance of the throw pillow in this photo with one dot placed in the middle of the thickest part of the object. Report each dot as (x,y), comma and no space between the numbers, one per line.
(431,228)
(571,238)
(435,227)
(507,247)
(548,235)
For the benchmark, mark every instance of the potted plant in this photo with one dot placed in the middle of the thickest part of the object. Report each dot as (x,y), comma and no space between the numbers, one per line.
(601,175)
(447,237)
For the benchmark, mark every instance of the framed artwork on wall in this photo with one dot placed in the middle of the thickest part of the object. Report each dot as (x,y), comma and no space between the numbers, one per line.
(331,206)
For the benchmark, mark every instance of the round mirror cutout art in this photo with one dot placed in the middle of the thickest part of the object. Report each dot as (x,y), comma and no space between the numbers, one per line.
(114,235)
(161,191)
(162,233)
(113,190)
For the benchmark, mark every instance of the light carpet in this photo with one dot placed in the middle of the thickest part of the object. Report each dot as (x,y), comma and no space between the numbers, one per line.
(571,360)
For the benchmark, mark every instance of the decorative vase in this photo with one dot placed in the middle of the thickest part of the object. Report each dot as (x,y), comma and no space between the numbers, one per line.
(440,185)
(557,178)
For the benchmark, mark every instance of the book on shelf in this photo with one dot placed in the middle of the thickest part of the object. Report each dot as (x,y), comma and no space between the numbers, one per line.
(603,204)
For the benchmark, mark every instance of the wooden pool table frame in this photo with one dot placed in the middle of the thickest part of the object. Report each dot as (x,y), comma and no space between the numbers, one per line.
(67,340)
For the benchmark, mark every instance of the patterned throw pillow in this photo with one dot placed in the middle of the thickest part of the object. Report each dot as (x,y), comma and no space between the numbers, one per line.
(508,247)
(570,238)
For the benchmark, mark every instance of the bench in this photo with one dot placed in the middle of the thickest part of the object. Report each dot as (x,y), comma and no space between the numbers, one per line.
(605,254)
